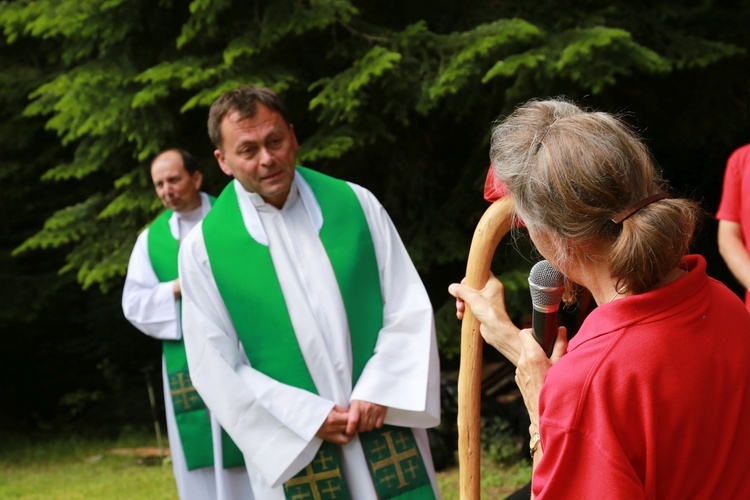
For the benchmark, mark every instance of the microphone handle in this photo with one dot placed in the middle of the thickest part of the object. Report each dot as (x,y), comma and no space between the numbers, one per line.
(544,325)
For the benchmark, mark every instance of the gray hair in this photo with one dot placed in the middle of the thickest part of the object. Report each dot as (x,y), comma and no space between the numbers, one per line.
(571,171)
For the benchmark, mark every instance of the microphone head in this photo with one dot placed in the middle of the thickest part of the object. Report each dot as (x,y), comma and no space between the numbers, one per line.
(546,285)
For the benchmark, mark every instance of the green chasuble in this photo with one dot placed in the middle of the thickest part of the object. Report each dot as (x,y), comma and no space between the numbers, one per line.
(190,412)
(248,284)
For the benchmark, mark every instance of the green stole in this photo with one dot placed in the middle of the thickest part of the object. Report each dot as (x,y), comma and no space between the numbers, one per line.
(192,419)
(248,284)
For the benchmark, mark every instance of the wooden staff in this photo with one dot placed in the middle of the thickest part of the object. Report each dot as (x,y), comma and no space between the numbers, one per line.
(493,225)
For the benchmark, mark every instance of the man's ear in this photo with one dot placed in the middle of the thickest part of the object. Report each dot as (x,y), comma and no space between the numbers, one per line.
(197,179)
(222,164)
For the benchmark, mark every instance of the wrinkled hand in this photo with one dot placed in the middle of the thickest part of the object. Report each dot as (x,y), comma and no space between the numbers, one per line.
(488,307)
(532,368)
(333,429)
(365,416)
(460,304)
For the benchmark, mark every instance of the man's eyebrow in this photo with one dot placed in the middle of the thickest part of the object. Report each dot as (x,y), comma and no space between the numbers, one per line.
(246,143)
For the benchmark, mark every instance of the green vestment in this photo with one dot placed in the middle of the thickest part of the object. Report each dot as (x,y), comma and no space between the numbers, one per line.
(192,418)
(248,284)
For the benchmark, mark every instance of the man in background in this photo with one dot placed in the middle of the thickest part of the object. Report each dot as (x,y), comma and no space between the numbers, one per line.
(734,218)
(151,302)
(308,330)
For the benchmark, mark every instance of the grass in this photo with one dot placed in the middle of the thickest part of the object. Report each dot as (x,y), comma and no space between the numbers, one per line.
(496,481)
(77,468)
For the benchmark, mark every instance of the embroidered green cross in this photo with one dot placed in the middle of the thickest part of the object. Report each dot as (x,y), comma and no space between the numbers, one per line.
(396,459)
(320,480)
(184,396)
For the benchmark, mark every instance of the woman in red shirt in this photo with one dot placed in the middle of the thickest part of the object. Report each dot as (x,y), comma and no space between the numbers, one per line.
(651,398)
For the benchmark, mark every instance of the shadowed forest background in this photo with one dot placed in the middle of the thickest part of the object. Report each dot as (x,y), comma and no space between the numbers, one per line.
(396,96)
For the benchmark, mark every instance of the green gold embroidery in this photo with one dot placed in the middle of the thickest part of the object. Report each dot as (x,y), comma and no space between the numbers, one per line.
(320,480)
(184,396)
(395,462)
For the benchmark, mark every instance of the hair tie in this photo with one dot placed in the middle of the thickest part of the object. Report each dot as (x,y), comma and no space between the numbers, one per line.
(617,219)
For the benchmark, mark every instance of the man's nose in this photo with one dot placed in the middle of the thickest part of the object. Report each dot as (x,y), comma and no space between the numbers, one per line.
(264,157)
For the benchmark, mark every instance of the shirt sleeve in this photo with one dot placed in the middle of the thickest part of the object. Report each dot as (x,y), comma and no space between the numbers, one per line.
(148,304)
(272,423)
(573,466)
(404,372)
(731,194)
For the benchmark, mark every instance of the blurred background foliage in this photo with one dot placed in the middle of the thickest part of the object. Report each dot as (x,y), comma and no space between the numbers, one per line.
(396,96)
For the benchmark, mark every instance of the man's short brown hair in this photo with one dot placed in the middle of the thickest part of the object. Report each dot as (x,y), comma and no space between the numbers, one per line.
(244,99)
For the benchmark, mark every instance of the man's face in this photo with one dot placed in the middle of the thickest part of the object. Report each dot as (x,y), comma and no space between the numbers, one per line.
(260,152)
(178,190)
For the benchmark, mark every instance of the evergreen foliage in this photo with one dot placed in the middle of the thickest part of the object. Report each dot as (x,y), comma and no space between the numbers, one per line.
(398,97)
(127,72)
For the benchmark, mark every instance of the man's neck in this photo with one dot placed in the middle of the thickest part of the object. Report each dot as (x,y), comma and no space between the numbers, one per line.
(193,213)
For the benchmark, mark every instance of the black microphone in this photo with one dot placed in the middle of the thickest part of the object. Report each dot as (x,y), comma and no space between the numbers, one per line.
(546,285)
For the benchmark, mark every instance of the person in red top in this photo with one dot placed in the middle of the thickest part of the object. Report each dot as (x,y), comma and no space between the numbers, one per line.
(734,218)
(651,398)
(494,189)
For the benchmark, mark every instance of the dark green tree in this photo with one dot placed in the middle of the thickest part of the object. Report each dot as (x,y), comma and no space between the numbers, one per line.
(398,97)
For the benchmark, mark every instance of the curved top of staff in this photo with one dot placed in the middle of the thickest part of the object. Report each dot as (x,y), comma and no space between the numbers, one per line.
(492,227)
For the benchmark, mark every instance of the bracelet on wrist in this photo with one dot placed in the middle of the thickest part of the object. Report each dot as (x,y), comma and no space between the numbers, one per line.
(534,443)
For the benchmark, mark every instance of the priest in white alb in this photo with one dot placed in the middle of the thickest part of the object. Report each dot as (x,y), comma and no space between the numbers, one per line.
(151,302)
(308,331)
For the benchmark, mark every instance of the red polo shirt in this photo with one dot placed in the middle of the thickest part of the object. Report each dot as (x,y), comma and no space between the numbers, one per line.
(652,399)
